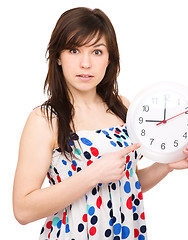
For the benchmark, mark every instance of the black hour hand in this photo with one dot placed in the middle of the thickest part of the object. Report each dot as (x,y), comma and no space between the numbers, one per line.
(153,121)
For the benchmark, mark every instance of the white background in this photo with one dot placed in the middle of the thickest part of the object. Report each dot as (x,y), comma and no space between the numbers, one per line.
(152,37)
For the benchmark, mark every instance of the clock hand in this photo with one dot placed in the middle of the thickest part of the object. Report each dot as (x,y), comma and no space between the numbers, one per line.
(165,110)
(153,121)
(165,121)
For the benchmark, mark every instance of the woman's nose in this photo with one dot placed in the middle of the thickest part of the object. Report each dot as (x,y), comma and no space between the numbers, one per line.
(85,61)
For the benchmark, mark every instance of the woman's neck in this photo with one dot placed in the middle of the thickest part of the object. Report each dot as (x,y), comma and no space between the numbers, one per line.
(86,100)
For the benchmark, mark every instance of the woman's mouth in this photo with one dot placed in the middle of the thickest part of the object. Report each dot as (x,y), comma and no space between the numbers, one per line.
(84,77)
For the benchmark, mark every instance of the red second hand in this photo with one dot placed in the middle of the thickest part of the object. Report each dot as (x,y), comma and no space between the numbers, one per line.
(164,121)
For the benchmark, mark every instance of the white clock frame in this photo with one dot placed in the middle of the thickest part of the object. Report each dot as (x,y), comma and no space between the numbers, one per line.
(171,149)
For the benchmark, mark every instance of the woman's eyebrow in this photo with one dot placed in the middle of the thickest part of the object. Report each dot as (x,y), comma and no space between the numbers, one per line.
(99,45)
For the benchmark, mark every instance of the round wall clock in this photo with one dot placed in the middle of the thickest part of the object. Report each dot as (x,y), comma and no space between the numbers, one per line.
(158,119)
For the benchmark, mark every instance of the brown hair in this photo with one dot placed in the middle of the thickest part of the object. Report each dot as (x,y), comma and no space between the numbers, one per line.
(75,28)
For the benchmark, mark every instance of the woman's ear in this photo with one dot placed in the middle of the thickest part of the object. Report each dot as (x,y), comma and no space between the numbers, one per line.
(59,62)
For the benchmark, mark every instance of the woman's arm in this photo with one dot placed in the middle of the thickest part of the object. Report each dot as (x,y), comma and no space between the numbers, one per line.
(150,176)
(30,202)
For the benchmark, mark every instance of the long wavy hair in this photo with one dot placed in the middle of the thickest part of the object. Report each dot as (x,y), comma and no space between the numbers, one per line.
(75,28)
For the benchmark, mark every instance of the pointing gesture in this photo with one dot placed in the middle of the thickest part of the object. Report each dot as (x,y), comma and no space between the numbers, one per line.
(110,167)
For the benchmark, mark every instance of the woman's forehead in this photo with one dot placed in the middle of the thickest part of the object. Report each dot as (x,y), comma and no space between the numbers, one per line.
(97,42)
(78,39)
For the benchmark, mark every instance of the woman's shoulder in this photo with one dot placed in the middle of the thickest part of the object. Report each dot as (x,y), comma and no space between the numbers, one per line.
(125,101)
(39,117)
(37,124)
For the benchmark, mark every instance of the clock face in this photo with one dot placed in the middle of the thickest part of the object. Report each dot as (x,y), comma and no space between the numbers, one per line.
(158,120)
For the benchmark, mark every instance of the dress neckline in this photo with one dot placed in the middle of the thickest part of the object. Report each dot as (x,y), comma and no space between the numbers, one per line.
(93,131)
(102,129)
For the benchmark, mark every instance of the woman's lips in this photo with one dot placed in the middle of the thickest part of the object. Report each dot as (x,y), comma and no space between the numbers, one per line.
(84,77)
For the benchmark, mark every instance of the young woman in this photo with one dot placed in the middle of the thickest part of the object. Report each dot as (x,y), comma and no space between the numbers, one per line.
(78,138)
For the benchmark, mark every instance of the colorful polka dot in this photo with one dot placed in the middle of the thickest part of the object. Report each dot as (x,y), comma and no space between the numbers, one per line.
(108,233)
(135,216)
(94,220)
(92,231)
(129,164)
(71,143)
(58,233)
(134,209)
(137,185)
(131,172)
(67,229)
(113,143)
(126,144)
(99,202)
(143,229)
(142,216)
(84,218)
(86,141)
(140,196)
(128,158)
(49,225)
(64,218)
(117,228)
(141,237)
(91,211)
(64,162)
(127,174)
(87,155)
(105,132)
(94,151)
(127,187)
(89,162)
(77,151)
(55,221)
(111,222)
(125,232)
(59,224)
(80,227)
(129,203)
(136,232)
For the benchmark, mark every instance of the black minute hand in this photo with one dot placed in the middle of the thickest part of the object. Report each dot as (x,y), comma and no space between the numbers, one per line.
(165,110)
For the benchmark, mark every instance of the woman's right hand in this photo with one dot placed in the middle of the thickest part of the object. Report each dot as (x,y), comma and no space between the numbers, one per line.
(110,167)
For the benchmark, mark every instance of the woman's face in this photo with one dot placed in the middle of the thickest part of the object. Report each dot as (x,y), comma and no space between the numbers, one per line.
(84,67)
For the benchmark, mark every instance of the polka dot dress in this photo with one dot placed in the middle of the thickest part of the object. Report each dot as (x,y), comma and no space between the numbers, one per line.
(108,211)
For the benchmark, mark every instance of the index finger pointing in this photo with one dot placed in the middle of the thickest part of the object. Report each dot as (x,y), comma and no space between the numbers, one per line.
(129,149)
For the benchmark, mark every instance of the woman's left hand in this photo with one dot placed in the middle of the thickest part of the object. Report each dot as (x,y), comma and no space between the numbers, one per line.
(182,164)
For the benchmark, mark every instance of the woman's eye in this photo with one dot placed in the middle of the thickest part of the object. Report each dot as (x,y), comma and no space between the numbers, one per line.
(74,51)
(97,52)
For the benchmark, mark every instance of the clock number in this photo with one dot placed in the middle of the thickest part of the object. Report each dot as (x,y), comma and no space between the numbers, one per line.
(185,135)
(166,97)
(141,120)
(145,108)
(163,146)
(143,132)
(175,143)
(151,139)
(154,100)
(186,110)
